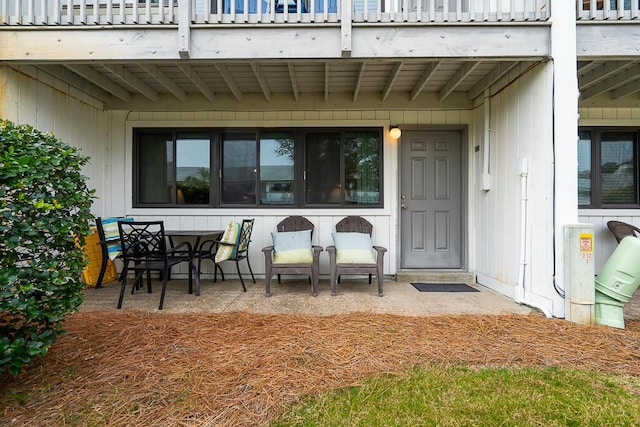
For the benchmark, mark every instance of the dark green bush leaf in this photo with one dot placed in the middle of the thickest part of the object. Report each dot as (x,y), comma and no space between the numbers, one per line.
(44,216)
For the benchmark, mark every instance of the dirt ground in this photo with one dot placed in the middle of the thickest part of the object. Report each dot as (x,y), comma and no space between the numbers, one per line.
(134,367)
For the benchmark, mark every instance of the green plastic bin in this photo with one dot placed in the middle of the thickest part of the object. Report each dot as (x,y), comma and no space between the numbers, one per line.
(620,275)
(608,311)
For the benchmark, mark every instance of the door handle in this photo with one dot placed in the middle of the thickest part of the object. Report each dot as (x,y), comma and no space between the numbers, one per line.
(403,206)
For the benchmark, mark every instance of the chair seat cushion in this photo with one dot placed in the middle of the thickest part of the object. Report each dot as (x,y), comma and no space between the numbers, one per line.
(353,248)
(292,247)
(229,242)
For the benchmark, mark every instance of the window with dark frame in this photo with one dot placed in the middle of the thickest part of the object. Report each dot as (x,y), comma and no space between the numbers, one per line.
(298,167)
(608,168)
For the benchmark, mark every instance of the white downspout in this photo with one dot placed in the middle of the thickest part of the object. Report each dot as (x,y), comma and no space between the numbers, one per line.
(520,294)
(524,236)
(486,147)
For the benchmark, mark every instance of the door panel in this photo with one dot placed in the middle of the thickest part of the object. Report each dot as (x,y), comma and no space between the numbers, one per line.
(431,199)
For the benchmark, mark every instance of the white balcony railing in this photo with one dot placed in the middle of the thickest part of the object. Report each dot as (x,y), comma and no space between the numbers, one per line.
(167,12)
(607,10)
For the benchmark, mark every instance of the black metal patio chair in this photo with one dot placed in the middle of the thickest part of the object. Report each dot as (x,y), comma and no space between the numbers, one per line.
(144,249)
(228,249)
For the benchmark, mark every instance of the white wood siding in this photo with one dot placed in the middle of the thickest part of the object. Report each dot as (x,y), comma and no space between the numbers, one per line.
(385,221)
(521,127)
(106,136)
(36,98)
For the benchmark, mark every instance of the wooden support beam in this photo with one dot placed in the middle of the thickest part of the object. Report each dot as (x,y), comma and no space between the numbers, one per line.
(614,82)
(626,90)
(496,74)
(197,81)
(424,79)
(602,72)
(326,81)
(392,78)
(356,91)
(294,80)
(132,80)
(585,66)
(79,82)
(457,78)
(228,79)
(165,81)
(99,80)
(262,81)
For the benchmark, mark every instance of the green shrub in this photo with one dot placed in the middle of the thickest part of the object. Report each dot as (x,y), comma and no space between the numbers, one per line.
(44,216)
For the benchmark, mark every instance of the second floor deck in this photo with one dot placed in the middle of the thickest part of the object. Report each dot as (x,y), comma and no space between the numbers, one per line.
(199,12)
(132,52)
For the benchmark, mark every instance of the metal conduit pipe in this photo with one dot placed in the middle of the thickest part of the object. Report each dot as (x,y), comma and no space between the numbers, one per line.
(520,294)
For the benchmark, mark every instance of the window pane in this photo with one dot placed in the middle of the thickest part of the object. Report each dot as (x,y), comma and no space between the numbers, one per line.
(193,169)
(322,152)
(362,168)
(155,172)
(239,167)
(584,168)
(276,168)
(618,170)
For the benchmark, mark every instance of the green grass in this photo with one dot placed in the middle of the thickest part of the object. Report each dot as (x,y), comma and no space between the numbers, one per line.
(460,396)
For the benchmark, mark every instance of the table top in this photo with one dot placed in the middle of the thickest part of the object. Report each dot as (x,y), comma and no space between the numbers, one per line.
(193,233)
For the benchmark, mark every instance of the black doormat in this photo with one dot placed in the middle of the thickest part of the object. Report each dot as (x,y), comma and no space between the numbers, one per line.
(443,287)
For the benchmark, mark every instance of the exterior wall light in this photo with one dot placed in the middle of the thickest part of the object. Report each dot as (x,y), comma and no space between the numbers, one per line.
(395,132)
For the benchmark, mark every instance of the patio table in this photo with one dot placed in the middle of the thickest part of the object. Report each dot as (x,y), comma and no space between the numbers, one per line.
(198,236)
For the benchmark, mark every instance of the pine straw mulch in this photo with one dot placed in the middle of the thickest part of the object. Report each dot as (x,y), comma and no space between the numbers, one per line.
(142,368)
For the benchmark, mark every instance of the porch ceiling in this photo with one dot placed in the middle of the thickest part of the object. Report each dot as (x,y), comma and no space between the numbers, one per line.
(177,84)
(610,79)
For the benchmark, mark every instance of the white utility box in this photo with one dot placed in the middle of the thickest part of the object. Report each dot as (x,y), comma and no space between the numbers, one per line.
(579,279)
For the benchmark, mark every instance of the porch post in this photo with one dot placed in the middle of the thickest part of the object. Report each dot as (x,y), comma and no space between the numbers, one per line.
(565,135)
(346,26)
(184,28)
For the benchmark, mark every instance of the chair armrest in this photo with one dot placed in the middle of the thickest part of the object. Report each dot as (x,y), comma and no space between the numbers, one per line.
(268,255)
(208,246)
(380,251)
(316,254)
(332,254)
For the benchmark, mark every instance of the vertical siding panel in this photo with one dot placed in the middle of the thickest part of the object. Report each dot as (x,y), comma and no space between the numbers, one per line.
(43,108)
(117,174)
(520,127)
(10,99)
(28,96)
(60,108)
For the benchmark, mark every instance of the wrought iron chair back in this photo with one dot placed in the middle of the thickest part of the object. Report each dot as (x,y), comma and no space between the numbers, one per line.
(245,236)
(145,249)
(241,252)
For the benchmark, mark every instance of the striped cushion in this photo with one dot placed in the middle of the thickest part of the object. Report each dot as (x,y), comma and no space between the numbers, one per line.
(229,242)
(112,236)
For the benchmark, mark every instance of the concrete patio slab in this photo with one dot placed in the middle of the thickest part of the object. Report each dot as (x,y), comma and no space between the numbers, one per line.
(293,296)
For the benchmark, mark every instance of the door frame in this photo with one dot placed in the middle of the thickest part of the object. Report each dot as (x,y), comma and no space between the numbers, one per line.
(465,182)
